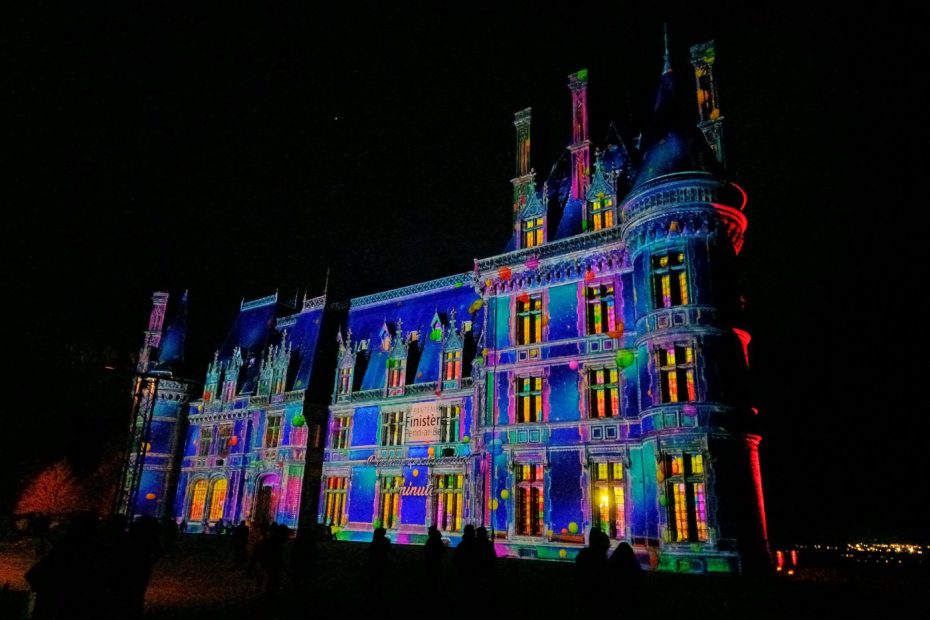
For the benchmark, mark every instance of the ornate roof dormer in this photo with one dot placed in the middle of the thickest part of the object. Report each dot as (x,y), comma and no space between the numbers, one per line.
(346,354)
(436,328)
(600,200)
(384,336)
(399,348)
(600,184)
(214,369)
(453,338)
(234,364)
(534,206)
(531,220)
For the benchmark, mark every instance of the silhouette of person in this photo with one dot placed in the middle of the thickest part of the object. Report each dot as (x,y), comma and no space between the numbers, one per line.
(269,557)
(590,564)
(625,571)
(434,551)
(64,580)
(463,557)
(303,557)
(485,563)
(378,558)
(240,543)
(143,549)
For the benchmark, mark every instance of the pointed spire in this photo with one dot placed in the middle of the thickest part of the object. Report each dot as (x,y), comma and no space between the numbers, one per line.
(326,284)
(667,65)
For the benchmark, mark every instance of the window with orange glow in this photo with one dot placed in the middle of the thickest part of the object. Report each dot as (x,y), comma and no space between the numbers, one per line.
(452,365)
(529,399)
(218,499)
(602,213)
(533,232)
(389,509)
(608,497)
(669,280)
(599,303)
(687,505)
(529,320)
(604,393)
(345,380)
(198,501)
(530,515)
(676,373)
(334,500)
(448,501)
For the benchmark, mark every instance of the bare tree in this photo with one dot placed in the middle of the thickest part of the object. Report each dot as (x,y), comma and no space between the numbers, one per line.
(53,492)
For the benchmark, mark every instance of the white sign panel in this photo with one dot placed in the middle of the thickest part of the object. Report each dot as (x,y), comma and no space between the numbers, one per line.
(424,424)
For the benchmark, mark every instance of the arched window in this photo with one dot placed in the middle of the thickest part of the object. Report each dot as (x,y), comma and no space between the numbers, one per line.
(198,501)
(218,499)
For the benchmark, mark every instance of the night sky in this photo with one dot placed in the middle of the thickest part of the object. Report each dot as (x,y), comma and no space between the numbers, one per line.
(239,152)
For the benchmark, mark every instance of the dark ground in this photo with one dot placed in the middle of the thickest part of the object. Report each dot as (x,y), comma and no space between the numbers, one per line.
(197,579)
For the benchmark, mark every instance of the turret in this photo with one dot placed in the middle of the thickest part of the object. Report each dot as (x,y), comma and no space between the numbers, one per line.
(678,225)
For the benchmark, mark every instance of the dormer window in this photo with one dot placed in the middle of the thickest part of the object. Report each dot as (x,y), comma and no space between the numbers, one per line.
(395,368)
(533,232)
(603,213)
(600,199)
(397,362)
(345,380)
(385,341)
(452,349)
(452,365)
(346,366)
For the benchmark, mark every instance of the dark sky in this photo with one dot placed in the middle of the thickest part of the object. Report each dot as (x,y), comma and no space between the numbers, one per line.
(238,152)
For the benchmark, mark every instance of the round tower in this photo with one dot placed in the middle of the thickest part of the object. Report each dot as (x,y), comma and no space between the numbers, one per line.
(683,226)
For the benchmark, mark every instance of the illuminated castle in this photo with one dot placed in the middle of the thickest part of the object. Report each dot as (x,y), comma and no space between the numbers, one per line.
(593,375)
(245,447)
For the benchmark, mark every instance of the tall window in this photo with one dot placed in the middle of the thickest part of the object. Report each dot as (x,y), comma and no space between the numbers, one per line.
(389,509)
(339,438)
(669,280)
(449,422)
(198,501)
(530,515)
(604,393)
(334,500)
(688,502)
(676,370)
(452,365)
(273,431)
(599,302)
(529,399)
(223,438)
(533,232)
(448,501)
(218,499)
(392,428)
(206,441)
(395,368)
(602,213)
(529,320)
(345,380)
(608,498)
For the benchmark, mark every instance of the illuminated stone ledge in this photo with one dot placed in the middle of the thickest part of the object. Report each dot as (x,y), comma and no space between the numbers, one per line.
(414,289)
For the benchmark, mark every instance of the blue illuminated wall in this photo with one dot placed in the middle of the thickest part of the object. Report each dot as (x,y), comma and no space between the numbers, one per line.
(639,427)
